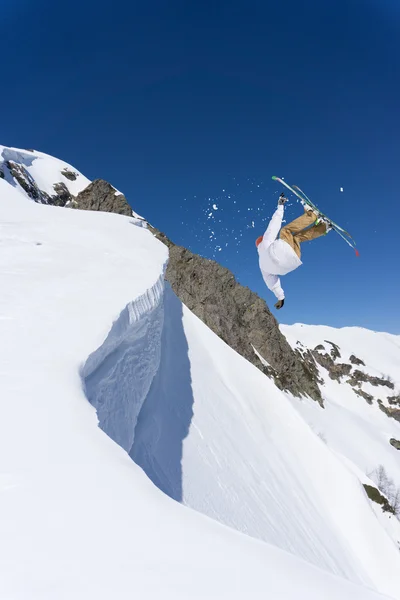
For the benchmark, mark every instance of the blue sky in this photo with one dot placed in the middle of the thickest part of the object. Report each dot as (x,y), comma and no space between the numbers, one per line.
(186,105)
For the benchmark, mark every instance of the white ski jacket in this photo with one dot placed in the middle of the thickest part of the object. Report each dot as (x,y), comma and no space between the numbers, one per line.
(276,257)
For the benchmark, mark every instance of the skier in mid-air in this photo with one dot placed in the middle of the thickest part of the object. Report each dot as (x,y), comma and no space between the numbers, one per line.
(280,256)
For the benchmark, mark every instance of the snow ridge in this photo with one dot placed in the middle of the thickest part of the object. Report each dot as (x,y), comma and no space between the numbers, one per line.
(118,375)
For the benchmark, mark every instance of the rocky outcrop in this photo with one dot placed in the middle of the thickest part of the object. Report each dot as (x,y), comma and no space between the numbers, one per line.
(389,411)
(62,195)
(394,400)
(395,443)
(336,370)
(335,351)
(375,495)
(364,395)
(22,177)
(238,316)
(101,195)
(356,361)
(70,175)
(359,377)
(28,184)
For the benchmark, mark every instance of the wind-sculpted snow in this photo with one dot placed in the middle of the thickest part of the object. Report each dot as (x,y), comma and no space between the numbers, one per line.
(118,375)
(166,417)
(19,156)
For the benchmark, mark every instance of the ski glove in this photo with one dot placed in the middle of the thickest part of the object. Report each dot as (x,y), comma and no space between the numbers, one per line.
(282,199)
(279,304)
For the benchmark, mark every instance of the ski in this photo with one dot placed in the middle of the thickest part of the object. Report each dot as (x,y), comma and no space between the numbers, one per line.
(308,201)
(305,200)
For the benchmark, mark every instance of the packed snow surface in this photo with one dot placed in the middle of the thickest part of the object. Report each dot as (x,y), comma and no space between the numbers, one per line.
(92,336)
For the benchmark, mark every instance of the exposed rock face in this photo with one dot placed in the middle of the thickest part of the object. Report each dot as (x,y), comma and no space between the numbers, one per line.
(365,395)
(22,176)
(389,411)
(375,495)
(335,351)
(71,175)
(238,316)
(358,377)
(101,195)
(336,371)
(395,443)
(62,196)
(394,400)
(356,361)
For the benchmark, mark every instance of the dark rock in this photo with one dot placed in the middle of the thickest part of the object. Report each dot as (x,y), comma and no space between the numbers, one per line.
(359,377)
(336,370)
(389,411)
(1,174)
(238,316)
(356,361)
(395,443)
(307,357)
(320,348)
(22,176)
(364,395)
(394,400)
(335,351)
(101,195)
(374,494)
(62,196)
(71,175)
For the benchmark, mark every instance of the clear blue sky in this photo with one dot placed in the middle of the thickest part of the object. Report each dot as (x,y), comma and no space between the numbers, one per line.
(182,105)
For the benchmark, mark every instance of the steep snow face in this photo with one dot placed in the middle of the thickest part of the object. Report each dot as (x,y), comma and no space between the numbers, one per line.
(78,519)
(118,375)
(216,434)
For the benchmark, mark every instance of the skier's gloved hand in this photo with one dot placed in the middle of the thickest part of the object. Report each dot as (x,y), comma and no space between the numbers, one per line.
(279,304)
(282,199)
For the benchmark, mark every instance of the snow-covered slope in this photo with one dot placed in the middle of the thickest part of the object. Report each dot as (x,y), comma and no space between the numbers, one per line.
(44,170)
(84,314)
(357,429)
(217,434)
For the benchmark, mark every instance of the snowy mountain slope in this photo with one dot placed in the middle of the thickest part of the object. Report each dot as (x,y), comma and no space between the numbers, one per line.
(79,520)
(45,170)
(83,312)
(357,430)
(225,441)
(47,180)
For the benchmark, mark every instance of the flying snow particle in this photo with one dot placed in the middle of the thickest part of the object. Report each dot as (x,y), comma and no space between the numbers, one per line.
(341,189)
(215,207)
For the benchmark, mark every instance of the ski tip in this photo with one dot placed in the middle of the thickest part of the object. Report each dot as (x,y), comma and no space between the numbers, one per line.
(357,252)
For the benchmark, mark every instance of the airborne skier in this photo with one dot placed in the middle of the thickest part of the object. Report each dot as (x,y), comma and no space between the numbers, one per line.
(280,256)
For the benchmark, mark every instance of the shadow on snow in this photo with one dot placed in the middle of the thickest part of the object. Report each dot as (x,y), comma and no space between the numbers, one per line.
(165,418)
